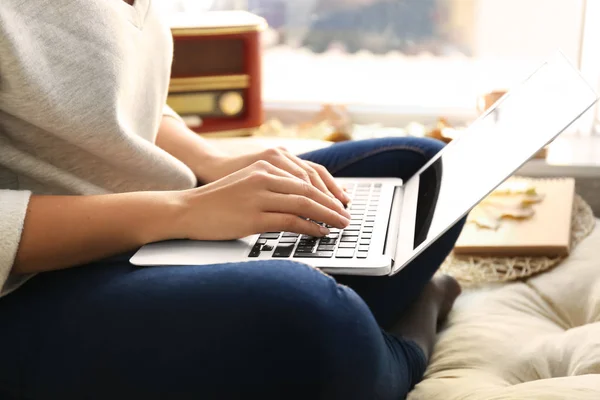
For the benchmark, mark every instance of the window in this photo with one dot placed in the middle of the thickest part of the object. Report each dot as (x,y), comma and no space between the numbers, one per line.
(418,59)
(590,60)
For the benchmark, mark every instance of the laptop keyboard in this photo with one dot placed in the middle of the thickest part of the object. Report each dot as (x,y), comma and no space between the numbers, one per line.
(351,242)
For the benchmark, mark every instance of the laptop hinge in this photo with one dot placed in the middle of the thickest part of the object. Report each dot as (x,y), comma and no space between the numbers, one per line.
(391,240)
(406,222)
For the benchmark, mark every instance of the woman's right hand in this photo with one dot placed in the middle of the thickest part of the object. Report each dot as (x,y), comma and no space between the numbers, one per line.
(259,198)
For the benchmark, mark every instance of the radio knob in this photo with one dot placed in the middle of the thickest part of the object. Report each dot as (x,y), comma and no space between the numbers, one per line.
(231,103)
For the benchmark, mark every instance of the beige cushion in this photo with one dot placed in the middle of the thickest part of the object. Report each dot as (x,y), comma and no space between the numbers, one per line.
(538,339)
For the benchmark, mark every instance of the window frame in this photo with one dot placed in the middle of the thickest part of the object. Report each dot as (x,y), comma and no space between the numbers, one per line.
(589,62)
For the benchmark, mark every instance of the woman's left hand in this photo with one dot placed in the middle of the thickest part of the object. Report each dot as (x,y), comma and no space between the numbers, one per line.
(310,172)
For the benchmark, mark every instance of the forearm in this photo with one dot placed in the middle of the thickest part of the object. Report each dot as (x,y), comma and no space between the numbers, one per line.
(182,143)
(65,231)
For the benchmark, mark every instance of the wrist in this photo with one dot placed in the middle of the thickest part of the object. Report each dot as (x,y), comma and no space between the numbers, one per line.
(211,166)
(165,218)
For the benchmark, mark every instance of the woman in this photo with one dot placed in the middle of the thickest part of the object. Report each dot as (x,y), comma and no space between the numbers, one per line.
(93,165)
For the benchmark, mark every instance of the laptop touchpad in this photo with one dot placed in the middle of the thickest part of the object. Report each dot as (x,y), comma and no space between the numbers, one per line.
(189,252)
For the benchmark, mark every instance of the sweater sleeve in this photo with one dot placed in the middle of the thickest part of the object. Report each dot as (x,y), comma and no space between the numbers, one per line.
(169,112)
(13,207)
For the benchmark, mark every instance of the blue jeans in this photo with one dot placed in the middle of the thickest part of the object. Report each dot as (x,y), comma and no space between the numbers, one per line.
(264,330)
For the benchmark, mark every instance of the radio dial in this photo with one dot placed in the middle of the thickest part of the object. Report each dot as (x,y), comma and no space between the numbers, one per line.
(231,103)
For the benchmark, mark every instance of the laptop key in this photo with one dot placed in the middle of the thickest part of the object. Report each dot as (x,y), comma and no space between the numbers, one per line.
(369,224)
(362,254)
(347,245)
(367,230)
(267,247)
(283,250)
(350,239)
(306,237)
(318,254)
(344,253)
(261,241)
(288,240)
(326,247)
(307,247)
(269,235)
(366,236)
(290,234)
(351,233)
(364,242)
(255,252)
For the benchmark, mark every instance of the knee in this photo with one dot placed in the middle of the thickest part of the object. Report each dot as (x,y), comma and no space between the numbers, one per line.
(432,146)
(429,147)
(335,343)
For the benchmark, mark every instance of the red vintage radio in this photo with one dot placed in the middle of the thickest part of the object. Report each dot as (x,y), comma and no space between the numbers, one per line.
(216,73)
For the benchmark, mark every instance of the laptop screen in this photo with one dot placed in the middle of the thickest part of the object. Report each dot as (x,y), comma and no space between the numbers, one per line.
(497,144)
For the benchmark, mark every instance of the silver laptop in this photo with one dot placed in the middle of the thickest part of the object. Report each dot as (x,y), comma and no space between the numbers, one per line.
(394,221)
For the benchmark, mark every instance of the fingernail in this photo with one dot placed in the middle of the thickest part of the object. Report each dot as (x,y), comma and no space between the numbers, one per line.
(345,221)
(346,214)
(324,231)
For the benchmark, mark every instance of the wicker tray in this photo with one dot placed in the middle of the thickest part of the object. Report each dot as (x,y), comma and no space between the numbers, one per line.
(474,271)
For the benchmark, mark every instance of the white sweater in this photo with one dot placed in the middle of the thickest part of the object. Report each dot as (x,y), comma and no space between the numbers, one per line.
(83,85)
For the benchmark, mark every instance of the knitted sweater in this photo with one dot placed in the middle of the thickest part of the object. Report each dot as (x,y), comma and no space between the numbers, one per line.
(83,85)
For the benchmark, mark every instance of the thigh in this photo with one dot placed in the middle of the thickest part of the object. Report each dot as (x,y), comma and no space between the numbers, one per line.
(388,297)
(269,330)
(397,157)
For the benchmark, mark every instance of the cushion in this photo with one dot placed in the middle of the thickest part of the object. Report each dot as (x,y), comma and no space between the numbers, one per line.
(536,339)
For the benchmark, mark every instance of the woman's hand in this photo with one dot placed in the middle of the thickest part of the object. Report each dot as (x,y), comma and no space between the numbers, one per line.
(256,199)
(309,172)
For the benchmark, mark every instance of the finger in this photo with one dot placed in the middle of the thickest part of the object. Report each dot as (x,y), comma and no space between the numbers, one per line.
(293,186)
(338,191)
(246,172)
(304,207)
(275,222)
(278,159)
(314,176)
(272,169)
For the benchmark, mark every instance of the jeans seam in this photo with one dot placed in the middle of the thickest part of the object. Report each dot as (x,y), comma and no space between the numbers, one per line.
(371,153)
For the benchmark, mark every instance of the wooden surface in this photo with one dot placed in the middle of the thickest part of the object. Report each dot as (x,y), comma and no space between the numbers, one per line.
(546,233)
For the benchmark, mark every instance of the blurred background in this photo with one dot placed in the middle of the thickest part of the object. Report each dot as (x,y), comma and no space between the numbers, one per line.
(411,57)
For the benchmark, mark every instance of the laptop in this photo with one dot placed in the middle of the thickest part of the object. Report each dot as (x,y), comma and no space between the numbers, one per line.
(394,221)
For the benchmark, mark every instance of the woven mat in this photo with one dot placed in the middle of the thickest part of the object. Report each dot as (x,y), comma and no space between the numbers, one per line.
(474,271)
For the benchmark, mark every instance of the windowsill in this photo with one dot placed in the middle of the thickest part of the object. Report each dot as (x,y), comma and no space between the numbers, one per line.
(389,116)
(568,155)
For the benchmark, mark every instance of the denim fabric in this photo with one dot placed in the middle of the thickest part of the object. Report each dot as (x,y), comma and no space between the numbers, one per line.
(264,330)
